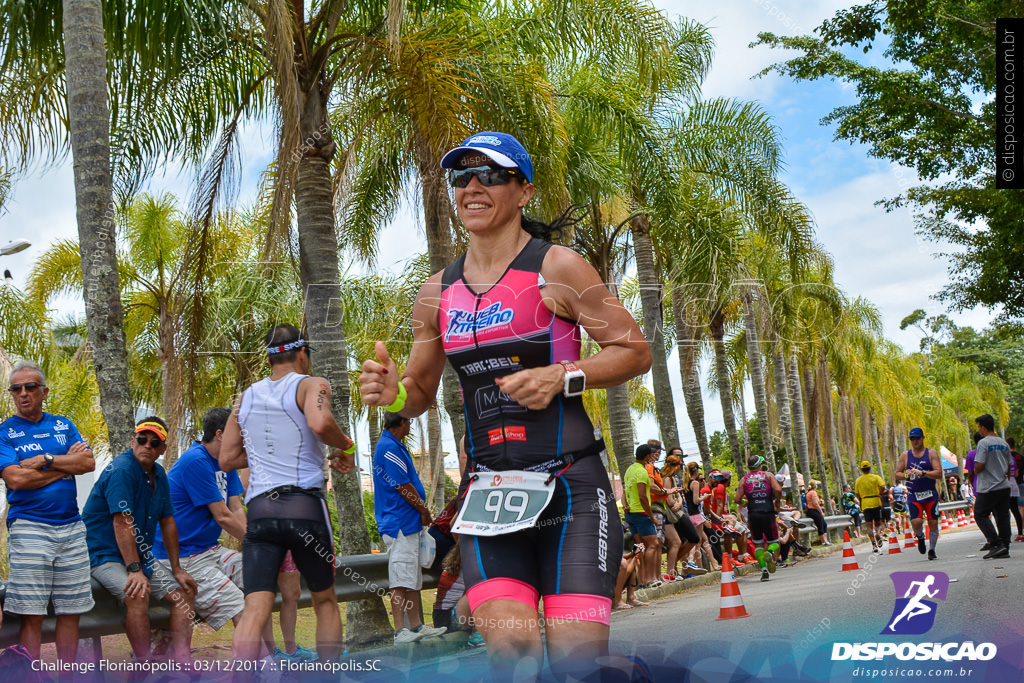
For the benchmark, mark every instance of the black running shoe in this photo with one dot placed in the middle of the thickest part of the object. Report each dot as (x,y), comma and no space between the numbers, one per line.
(987,546)
(764,574)
(920,544)
(997,551)
(931,555)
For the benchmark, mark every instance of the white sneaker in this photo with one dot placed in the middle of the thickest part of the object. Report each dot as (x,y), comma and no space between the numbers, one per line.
(407,636)
(425,631)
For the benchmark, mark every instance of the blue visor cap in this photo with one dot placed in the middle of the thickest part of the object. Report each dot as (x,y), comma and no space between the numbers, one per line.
(501,148)
(916,433)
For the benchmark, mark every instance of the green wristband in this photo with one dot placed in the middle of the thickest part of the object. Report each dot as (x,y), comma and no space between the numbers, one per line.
(399,400)
(351,449)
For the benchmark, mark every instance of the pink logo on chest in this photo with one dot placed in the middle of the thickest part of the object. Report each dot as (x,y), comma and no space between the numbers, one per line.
(463,323)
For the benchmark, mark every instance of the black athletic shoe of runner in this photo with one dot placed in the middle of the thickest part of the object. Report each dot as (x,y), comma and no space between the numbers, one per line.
(931,555)
(987,546)
(997,551)
(920,544)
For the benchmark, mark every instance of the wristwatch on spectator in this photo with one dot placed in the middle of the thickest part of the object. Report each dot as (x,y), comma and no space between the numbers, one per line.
(134,567)
(48,459)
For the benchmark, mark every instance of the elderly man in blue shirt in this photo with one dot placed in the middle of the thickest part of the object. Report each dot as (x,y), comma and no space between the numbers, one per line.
(128,501)
(40,454)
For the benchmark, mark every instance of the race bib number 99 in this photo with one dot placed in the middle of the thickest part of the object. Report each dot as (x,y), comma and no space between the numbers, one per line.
(499,503)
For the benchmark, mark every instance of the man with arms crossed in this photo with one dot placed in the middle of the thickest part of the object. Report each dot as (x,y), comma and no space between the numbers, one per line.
(278,430)
(921,467)
(40,454)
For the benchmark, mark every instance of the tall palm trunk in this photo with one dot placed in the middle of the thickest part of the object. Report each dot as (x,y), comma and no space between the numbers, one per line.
(757,378)
(687,334)
(170,390)
(849,428)
(620,425)
(89,122)
(717,327)
(746,430)
(651,301)
(367,619)
(436,211)
(824,478)
(783,402)
(873,428)
(799,423)
(825,389)
(436,502)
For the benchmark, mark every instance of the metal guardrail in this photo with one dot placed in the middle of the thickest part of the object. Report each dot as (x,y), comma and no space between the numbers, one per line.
(357,577)
(839,522)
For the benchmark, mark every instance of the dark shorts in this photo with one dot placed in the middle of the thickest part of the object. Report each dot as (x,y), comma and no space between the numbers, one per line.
(640,524)
(573,549)
(899,507)
(288,523)
(763,527)
(886,513)
(686,530)
(872,515)
(924,510)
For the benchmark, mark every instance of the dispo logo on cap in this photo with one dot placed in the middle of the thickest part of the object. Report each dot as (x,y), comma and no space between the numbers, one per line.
(486,139)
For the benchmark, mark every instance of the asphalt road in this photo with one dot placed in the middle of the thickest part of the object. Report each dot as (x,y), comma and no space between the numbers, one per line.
(797,616)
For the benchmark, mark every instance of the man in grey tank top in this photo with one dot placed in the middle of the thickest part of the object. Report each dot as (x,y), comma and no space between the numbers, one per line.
(278,429)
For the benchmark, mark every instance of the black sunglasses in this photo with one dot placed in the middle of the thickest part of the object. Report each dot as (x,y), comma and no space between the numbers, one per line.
(28,386)
(488,177)
(154,441)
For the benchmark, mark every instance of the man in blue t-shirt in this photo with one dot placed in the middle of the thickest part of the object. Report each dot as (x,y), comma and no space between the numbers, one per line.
(207,500)
(40,454)
(401,514)
(121,515)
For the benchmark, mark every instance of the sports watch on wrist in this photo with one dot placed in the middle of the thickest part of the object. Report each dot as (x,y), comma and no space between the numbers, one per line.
(134,567)
(48,459)
(575,380)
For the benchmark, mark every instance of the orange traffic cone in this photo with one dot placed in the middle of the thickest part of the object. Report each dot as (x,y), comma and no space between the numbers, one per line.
(894,544)
(972,516)
(732,602)
(962,523)
(908,539)
(849,559)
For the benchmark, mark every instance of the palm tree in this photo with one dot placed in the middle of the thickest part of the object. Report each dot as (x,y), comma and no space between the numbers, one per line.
(89,127)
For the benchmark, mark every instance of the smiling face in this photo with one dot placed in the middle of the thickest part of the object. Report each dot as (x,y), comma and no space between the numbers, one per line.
(486,208)
(28,404)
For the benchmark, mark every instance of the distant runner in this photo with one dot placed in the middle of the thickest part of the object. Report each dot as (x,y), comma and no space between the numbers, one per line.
(763,493)
(922,468)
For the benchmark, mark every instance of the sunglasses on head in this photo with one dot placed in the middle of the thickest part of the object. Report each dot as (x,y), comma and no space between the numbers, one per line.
(154,441)
(488,177)
(28,386)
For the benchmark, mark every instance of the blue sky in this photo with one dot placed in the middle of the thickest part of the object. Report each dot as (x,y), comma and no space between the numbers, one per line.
(877,255)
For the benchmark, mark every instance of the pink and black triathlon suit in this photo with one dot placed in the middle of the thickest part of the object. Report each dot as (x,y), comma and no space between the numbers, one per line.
(571,557)
(760,507)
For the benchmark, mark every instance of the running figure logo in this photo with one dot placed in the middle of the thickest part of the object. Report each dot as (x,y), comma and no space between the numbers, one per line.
(914,613)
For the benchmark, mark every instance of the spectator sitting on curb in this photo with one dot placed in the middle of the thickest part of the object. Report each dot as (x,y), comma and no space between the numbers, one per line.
(401,515)
(451,606)
(628,571)
(127,502)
